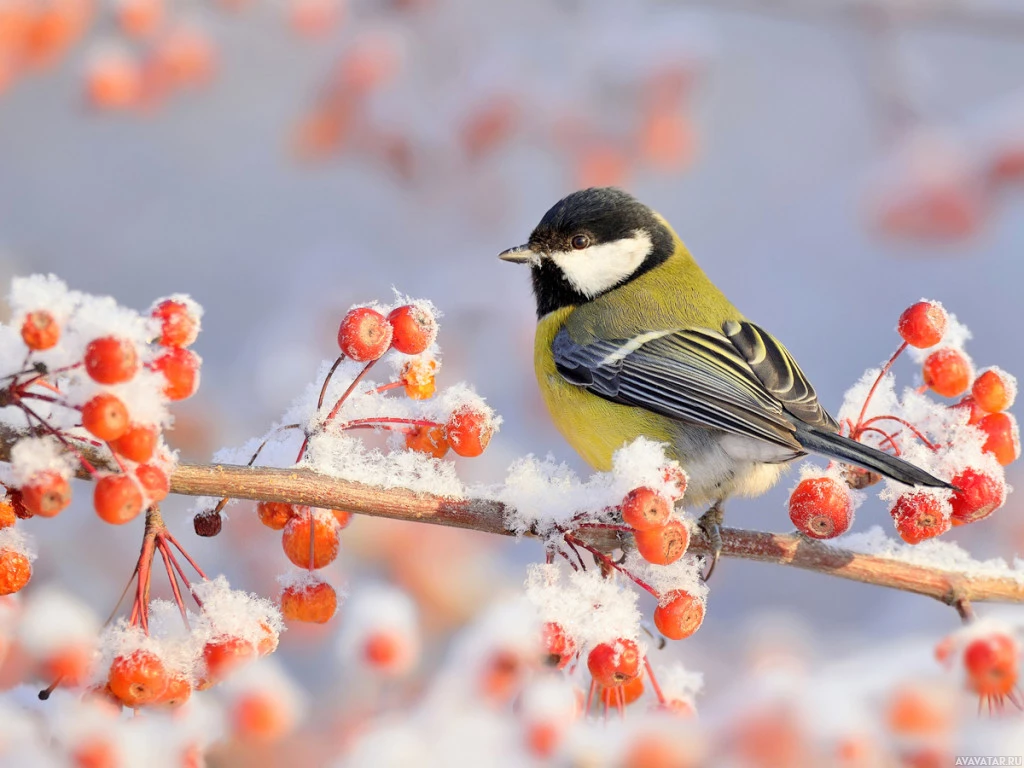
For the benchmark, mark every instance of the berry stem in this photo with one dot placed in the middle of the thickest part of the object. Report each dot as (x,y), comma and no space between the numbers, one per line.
(605,527)
(888,438)
(170,537)
(312,537)
(878,380)
(385,421)
(327,380)
(184,578)
(905,423)
(63,440)
(387,387)
(161,545)
(347,392)
(654,680)
(609,563)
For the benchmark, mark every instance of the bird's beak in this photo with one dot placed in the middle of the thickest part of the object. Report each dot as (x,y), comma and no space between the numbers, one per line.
(521,254)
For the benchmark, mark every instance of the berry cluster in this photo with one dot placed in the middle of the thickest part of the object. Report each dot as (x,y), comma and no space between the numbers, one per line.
(967,442)
(988,655)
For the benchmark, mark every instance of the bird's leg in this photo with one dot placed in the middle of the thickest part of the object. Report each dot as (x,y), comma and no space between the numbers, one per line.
(711,523)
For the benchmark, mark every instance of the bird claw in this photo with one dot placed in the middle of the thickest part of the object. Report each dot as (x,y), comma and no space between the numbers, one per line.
(711,523)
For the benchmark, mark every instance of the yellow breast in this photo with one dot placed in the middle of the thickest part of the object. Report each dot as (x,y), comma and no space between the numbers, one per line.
(593,426)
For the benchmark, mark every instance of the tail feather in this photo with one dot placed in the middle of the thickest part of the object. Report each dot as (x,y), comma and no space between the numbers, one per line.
(850,451)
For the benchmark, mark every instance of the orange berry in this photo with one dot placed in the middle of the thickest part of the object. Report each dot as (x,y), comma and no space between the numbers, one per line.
(947,372)
(994,390)
(916,710)
(95,752)
(645,509)
(920,516)
(614,663)
(185,56)
(923,324)
(979,496)
(40,330)
(276,514)
(968,404)
(659,750)
(113,80)
(105,416)
(138,443)
(365,334)
(315,602)
(414,329)
(992,664)
(140,18)
(383,649)
(110,360)
(501,676)
(260,717)
(418,378)
(117,499)
(1002,437)
(46,493)
(469,431)
(178,691)
(820,507)
(71,664)
(679,614)
(325,540)
(154,481)
(631,691)
(180,368)
(343,517)
(559,647)
(178,326)
(137,678)
(542,738)
(15,571)
(7,515)
(429,440)
(665,545)
(224,655)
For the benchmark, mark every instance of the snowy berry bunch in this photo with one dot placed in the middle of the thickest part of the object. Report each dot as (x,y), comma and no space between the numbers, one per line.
(85,387)
(987,654)
(421,427)
(967,442)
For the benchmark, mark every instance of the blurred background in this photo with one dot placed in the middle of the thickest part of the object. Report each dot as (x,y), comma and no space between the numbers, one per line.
(828,162)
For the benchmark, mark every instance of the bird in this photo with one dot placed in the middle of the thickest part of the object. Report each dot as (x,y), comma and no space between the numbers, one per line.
(634,340)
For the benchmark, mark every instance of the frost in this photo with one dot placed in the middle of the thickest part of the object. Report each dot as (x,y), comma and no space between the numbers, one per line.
(53,620)
(678,682)
(35,292)
(14,540)
(31,455)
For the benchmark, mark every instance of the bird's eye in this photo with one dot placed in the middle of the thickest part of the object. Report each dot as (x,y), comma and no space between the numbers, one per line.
(580,242)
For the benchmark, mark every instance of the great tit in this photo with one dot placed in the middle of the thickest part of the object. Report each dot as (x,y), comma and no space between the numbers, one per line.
(634,340)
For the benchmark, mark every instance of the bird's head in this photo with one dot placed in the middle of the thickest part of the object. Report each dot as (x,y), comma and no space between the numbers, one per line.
(590,242)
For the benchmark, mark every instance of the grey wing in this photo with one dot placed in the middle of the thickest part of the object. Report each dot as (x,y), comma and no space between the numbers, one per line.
(695,375)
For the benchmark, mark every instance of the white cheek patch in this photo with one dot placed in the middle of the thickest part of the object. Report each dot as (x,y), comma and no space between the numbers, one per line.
(599,267)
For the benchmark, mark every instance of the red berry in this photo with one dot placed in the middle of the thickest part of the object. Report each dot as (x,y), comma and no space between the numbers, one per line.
(969,405)
(677,480)
(559,647)
(315,602)
(994,390)
(154,481)
(40,330)
(178,691)
(137,444)
(180,368)
(105,416)
(821,508)
(276,514)
(979,496)
(8,517)
(919,516)
(343,517)
(631,691)
(15,571)
(223,655)
(469,431)
(325,540)
(614,663)
(178,326)
(414,329)
(992,664)
(679,614)
(429,440)
(923,324)
(365,334)
(645,509)
(947,372)
(1002,437)
(111,360)
(137,678)
(665,545)
(46,493)
(117,499)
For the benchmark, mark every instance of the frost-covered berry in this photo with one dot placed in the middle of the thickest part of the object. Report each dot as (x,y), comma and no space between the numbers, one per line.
(154,482)
(314,602)
(364,335)
(820,507)
(224,655)
(179,327)
(614,663)
(414,329)
(268,639)
(469,431)
(111,360)
(429,440)
(992,663)
(923,324)
(994,390)
(296,540)
(342,517)
(677,480)
(105,416)
(947,372)
(117,499)
(40,331)
(418,378)
(1002,438)
(8,517)
(260,717)
(180,368)
(559,647)
(645,509)
(276,514)
(979,495)
(15,571)
(679,614)
(46,493)
(137,678)
(178,691)
(969,405)
(138,443)
(665,545)
(920,516)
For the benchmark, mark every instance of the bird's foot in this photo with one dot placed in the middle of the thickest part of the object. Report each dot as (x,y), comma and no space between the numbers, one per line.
(711,523)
